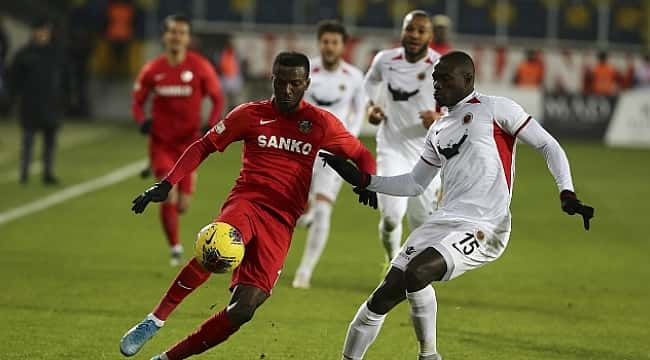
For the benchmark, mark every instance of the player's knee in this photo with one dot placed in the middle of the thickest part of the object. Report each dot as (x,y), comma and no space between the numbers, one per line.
(183,203)
(417,277)
(388,223)
(240,314)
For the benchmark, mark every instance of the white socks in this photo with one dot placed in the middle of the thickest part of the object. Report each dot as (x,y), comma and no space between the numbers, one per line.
(424,309)
(361,333)
(390,239)
(316,238)
(155,319)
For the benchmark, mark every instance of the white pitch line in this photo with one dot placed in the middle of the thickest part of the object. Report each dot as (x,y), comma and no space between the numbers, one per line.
(111,178)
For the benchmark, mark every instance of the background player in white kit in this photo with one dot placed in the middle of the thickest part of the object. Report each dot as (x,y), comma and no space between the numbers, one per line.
(403,75)
(337,87)
(474,147)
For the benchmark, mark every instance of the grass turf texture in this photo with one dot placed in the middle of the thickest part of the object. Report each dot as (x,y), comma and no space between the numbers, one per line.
(79,274)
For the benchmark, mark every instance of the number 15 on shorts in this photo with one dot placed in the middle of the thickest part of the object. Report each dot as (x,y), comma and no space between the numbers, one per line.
(467,245)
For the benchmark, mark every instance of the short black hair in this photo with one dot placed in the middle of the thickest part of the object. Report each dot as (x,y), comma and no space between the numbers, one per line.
(176,18)
(292,58)
(459,59)
(331,26)
(42,22)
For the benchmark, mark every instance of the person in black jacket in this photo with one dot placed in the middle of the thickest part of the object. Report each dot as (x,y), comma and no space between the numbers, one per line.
(36,80)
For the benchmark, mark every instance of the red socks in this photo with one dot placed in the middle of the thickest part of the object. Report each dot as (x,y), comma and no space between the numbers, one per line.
(169,219)
(191,276)
(212,332)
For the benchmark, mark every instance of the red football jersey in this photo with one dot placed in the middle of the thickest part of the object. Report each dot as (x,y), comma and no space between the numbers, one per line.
(278,154)
(177,95)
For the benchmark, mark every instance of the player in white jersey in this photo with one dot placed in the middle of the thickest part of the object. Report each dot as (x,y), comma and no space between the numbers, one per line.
(335,86)
(473,146)
(402,75)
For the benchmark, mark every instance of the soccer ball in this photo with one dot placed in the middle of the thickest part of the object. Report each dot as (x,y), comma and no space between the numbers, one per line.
(219,247)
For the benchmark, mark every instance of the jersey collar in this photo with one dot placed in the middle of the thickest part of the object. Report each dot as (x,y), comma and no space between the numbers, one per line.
(471,98)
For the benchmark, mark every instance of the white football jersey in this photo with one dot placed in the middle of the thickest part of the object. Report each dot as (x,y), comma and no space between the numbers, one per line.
(474,145)
(408,88)
(339,92)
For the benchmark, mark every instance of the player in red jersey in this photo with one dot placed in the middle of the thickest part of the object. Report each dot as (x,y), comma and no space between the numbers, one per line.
(178,80)
(282,137)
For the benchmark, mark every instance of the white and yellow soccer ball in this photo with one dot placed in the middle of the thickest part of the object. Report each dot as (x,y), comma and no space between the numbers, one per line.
(219,247)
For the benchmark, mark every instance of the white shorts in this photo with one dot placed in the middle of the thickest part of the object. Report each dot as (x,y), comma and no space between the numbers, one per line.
(417,208)
(325,181)
(465,245)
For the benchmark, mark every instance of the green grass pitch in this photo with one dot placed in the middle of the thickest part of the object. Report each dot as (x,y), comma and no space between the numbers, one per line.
(77,275)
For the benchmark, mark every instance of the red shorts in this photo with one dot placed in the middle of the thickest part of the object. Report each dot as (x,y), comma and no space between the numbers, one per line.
(267,241)
(163,157)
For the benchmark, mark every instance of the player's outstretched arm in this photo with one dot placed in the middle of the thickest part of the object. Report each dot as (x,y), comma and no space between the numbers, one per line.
(410,184)
(534,135)
(190,160)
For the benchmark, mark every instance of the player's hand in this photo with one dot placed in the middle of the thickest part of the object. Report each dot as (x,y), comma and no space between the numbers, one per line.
(375,115)
(346,170)
(157,193)
(428,117)
(145,127)
(571,205)
(366,197)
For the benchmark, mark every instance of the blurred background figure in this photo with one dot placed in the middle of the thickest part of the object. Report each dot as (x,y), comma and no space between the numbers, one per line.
(119,32)
(79,46)
(441,29)
(230,74)
(642,72)
(530,72)
(36,79)
(603,78)
(4,49)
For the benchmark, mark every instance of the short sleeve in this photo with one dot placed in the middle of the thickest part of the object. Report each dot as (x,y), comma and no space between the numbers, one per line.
(510,116)
(231,129)
(429,153)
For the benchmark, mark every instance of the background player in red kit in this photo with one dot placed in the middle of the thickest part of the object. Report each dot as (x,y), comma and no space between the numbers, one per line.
(281,139)
(178,79)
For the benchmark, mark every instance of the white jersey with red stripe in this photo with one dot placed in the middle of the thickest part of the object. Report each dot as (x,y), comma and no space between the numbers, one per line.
(474,145)
(408,90)
(339,91)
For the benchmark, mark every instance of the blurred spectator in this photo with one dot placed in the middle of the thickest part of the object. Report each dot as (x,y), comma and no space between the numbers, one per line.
(119,32)
(642,72)
(36,78)
(4,49)
(80,44)
(230,73)
(530,73)
(441,29)
(602,78)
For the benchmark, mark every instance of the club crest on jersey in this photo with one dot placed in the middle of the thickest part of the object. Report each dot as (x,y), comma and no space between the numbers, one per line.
(187,76)
(422,76)
(468,118)
(305,126)
(342,87)
(480,235)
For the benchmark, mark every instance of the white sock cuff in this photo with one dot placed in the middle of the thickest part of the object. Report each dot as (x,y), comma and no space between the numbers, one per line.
(176,249)
(155,319)
(425,294)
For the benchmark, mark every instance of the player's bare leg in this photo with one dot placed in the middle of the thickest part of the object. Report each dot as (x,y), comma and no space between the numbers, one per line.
(243,304)
(412,284)
(169,219)
(191,276)
(184,201)
(316,239)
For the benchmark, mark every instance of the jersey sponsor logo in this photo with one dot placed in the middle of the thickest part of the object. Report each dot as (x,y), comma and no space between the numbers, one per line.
(266,121)
(187,76)
(287,144)
(401,95)
(410,250)
(174,90)
(468,118)
(321,102)
(453,149)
